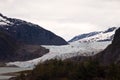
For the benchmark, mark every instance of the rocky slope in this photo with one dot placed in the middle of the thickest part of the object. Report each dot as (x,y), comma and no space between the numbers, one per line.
(29,33)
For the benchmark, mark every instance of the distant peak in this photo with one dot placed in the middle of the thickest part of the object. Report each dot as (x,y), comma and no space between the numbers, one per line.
(110,29)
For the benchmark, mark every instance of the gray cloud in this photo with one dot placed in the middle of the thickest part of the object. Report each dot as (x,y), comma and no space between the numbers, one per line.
(57,15)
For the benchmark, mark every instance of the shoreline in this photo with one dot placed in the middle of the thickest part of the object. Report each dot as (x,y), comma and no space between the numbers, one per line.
(9,72)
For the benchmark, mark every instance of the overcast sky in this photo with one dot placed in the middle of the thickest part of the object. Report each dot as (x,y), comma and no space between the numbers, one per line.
(66,18)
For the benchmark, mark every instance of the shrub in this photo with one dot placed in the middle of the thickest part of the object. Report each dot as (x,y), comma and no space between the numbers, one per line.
(73,70)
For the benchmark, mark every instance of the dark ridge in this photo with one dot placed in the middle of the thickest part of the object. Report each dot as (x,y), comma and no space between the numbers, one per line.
(29,33)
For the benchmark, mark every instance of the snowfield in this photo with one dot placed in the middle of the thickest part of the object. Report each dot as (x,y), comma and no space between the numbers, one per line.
(66,51)
(99,37)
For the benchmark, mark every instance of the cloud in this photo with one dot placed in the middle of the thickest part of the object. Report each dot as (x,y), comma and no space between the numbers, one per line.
(66,18)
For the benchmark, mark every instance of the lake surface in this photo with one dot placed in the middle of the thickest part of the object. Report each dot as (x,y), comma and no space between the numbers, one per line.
(4,70)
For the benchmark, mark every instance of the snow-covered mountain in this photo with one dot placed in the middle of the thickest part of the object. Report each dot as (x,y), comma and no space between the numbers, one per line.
(97,36)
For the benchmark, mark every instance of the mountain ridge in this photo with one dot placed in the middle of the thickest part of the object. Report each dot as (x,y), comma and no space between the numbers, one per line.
(29,33)
(105,35)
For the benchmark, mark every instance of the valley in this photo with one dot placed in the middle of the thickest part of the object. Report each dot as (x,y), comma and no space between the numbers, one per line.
(29,46)
(64,52)
(88,45)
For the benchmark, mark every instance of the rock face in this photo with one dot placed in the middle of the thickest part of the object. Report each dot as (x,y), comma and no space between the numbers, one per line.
(29,33)
(11,50)
(112,53)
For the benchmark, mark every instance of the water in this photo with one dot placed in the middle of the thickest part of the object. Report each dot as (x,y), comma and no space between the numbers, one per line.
(4,70)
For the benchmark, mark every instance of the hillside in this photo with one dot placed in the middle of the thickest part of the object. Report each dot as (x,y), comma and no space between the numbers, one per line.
(29,33)
(11,50)
(71,70)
